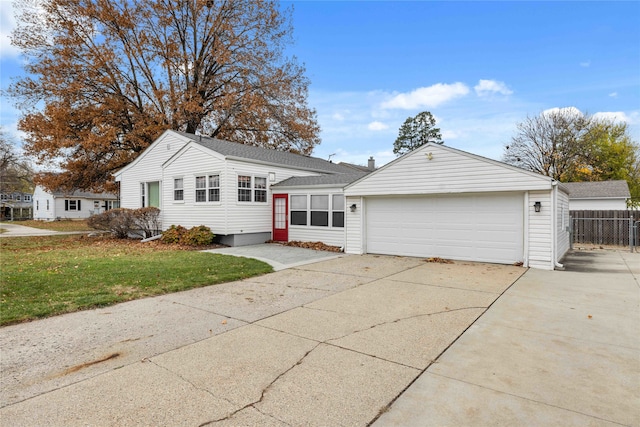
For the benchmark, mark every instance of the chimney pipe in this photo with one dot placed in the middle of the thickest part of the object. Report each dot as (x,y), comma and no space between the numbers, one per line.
(372,163)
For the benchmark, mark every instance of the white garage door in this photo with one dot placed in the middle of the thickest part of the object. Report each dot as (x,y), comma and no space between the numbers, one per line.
(487,228)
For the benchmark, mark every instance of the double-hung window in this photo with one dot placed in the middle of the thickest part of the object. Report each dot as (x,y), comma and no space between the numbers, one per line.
(252,189)
(299,210)
(72,205)
(244,188)
(320,211)
(178,189)
(260,189)
(337,210)
(208,188)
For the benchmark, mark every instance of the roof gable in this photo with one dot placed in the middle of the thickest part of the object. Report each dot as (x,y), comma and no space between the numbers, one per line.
(434,168)
(149,149)
(618,189)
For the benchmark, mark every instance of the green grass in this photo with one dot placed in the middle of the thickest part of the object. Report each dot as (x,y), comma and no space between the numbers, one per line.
(46,276)
(62,225)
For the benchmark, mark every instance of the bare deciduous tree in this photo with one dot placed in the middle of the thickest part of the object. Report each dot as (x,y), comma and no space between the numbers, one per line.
(16,173)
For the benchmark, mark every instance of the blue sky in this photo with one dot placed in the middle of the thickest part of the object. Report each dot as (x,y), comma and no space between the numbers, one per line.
(478,67)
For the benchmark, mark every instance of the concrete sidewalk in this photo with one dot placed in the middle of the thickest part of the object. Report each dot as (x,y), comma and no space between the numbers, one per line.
(558,348)
(15,230)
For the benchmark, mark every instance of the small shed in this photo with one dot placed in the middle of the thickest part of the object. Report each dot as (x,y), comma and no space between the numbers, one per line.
(598,195)
(441,202)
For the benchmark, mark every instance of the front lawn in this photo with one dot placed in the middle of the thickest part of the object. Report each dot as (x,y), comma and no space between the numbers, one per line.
(46,276)
(62,225)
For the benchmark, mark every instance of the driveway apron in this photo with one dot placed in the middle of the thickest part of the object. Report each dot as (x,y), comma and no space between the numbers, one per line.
(327,343)
(558,348)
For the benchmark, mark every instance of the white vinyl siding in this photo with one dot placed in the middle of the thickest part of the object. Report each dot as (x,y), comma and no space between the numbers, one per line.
(598,204)
(446,172)
(540,230)
(353,226)
(562,225)
(148,168)
(228,216)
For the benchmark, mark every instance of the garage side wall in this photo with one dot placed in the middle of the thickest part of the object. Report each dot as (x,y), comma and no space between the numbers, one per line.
(353,226)
(562,232)
(540,235)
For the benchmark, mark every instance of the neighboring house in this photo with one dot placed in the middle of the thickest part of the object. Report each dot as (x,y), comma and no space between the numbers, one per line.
(49,206)
(598,195)
(15,205)
(433,202)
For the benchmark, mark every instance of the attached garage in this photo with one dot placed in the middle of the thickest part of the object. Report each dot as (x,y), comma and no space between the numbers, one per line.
(472,227)
(441,202)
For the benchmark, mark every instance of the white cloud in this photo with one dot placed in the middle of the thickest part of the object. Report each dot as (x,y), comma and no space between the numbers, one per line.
(7,24)
(615,116)
(376,126)
(567,110)
(337,116)
(431,96)
(489,87)
(585,64)
(613,94)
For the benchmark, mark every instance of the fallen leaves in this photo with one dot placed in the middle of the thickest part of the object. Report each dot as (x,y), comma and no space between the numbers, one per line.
(439,260)
(317,246)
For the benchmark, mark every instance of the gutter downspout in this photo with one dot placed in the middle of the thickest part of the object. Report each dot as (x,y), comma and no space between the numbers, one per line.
(554,225)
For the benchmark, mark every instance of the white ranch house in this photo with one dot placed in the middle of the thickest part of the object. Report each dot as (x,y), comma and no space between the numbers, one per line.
(433,202)
(52,205)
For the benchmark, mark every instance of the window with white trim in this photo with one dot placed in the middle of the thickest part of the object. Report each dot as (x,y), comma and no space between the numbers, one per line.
(260,189)
(178,189)
(317,210)
(72,205)
(27,198)
(337,210)
(299,210)
(213,188)
(244,188)
(208,188)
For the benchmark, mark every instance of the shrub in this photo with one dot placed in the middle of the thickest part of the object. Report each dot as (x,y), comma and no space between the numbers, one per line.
(198,236)
(173,234)
(118,221)
(146,221)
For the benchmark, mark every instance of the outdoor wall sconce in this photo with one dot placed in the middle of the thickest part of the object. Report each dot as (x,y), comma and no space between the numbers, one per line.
(537,206)
(353,207)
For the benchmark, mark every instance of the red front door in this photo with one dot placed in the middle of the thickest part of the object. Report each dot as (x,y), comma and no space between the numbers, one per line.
(281,217)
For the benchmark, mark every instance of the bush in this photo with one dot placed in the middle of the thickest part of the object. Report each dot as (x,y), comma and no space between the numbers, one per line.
(118,221)
(174,234)
(122,223)
(146,221)
(196,236)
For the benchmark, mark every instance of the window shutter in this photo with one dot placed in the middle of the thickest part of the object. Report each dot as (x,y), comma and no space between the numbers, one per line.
(79,205)
(66,205)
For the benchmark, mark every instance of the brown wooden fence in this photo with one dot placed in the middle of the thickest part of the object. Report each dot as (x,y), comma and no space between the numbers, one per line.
(618,228)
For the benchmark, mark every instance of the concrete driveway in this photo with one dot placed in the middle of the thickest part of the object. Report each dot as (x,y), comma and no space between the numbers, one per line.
(334,343)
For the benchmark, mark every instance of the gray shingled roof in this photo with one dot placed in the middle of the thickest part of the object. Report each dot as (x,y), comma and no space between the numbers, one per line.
(275,157)
(598,189)
(86,195)
(335,179)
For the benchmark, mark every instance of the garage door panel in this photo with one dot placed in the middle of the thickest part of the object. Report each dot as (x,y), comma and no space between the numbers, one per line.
(470,227)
